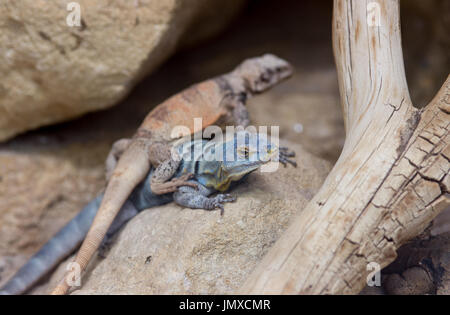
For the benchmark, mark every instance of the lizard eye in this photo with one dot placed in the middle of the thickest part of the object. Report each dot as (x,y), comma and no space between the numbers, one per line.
(245,152)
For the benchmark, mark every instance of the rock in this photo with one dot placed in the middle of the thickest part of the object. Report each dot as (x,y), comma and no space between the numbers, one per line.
(53,72)
(426,61)
(414,281)
(444,286)
(372,291)
(174,250)
(41,190)
(422,266)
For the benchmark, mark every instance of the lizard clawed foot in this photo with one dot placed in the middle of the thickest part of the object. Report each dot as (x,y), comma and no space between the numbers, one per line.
(172,185)
(218,201)
(284,155)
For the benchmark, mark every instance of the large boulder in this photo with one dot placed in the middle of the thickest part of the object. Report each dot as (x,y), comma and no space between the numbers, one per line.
(174,250)
(53,72)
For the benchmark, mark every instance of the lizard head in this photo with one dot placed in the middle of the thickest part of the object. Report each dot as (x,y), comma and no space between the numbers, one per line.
(261,73)
(227,158)
(239,154)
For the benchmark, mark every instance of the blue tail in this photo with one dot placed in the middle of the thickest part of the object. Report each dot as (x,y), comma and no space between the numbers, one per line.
(54,251)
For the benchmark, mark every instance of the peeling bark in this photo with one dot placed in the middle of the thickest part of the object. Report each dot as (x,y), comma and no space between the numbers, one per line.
(391,179)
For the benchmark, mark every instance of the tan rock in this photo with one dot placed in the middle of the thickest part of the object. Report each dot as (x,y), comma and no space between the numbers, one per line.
(52,72)
(414,281)
(170,249)
(422,266)
(40,190)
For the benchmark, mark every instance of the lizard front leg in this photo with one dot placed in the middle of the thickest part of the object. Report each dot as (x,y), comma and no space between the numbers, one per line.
(198,198)
(166,162)
(160,183)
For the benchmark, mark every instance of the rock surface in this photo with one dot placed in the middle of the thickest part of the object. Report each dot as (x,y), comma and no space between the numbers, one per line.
(174,250)
(427,60)
(39,191)
(422,266)
(53,72)
(413,281)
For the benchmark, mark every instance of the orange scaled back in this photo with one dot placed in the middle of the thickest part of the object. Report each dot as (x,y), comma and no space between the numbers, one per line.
(202,100)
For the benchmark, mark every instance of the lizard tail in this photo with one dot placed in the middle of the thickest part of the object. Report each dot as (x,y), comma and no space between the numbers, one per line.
(131,169)
(54,251)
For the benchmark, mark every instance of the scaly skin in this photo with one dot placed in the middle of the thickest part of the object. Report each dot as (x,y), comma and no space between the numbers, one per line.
(212,100)
(209,174)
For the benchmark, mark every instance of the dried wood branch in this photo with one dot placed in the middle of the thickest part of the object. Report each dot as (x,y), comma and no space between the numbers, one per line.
(391,179)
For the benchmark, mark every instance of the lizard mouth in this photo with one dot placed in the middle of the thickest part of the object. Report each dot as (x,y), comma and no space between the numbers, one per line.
(272,154)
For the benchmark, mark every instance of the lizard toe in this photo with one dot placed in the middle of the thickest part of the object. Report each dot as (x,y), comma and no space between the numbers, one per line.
(190,184)
(186,177)
(225,198)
